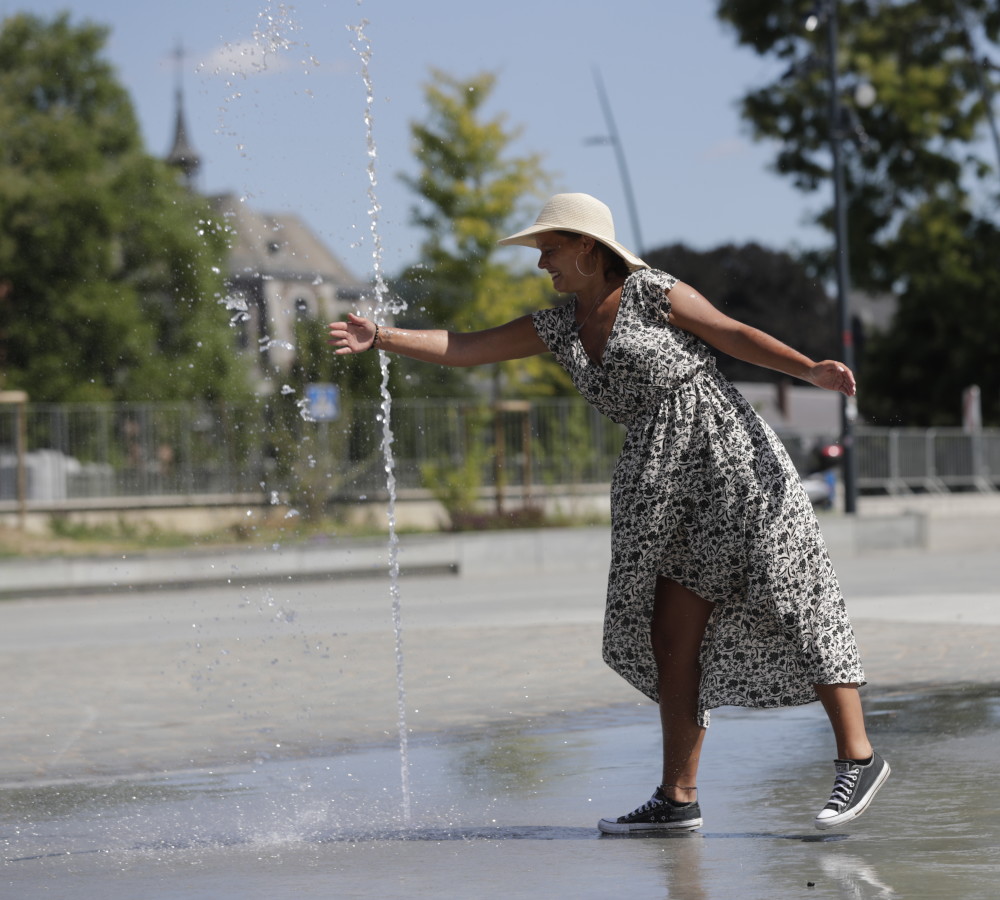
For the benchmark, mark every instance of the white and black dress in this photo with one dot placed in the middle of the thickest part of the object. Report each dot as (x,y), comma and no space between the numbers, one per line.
(704,493)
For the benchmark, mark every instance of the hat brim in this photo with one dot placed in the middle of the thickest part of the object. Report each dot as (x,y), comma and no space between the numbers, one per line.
(526,238)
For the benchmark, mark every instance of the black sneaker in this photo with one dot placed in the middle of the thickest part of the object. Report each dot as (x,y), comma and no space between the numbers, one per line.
(853,790)
(658,814)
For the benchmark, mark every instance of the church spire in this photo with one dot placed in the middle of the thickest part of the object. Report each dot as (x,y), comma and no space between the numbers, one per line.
(182,154)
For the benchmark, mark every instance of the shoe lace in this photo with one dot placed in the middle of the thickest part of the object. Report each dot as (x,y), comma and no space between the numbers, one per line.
(651,803)
(843,787)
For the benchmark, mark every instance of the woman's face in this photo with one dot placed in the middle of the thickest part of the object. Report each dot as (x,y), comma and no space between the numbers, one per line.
(557,255)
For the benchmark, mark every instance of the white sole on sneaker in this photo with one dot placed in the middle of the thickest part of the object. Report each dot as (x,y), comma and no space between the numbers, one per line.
(849,815)
(608,827)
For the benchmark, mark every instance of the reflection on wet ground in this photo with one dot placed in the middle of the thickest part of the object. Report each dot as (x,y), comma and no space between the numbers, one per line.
(511,812)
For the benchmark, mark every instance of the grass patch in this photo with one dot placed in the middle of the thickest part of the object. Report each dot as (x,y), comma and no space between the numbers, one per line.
(66,536)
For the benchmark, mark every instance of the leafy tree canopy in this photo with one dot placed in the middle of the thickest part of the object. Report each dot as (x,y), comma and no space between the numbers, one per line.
(944,336)
(919,134)
(109,268)
(472,191)
(922,179)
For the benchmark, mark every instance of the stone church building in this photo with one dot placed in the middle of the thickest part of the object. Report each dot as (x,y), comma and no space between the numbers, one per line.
(278,270)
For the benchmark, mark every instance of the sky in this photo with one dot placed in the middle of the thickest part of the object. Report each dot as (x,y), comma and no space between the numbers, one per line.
(275,104)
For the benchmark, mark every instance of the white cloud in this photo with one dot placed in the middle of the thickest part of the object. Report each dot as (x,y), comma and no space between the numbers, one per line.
(246,58)
(267,50)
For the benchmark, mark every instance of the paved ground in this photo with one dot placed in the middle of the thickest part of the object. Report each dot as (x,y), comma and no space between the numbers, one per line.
(166,680)
(238,698)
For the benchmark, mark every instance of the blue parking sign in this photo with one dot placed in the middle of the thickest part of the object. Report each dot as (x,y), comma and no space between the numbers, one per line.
(324,402)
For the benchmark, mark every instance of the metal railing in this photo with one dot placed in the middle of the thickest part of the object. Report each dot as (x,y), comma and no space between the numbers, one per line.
(119,450)
(935,460)
(92,451)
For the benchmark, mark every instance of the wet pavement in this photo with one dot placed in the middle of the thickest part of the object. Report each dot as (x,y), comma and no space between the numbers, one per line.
(241,742)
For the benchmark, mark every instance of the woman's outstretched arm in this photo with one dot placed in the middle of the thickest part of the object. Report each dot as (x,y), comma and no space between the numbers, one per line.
(692,312)
(515,340)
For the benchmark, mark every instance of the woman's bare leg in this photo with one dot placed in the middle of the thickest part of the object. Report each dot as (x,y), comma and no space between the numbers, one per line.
(679,620)
(860,771)
(842,703)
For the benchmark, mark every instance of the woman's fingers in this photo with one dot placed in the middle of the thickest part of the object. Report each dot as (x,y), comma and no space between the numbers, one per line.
(351,336)
(834,376)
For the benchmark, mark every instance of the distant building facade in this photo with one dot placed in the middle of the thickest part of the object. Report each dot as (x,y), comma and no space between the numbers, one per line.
(278,271)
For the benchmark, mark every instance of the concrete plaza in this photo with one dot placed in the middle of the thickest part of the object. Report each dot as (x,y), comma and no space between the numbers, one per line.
(277,680)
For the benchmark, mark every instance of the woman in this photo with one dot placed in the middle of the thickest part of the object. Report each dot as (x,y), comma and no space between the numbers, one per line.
(721,590)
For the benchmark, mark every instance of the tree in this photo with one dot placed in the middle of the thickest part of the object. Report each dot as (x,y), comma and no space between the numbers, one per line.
(764,288)
(110,268)
(921,182)
(919,134)
(944,336)
(472,192)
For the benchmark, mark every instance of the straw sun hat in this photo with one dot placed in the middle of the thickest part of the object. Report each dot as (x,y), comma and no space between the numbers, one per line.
(581,214)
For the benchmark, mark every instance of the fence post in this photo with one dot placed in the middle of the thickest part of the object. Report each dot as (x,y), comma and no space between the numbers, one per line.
(895,483)
(20,400)
(980,475)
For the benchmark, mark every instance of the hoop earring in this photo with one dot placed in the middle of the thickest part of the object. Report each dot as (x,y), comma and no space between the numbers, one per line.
(576,262)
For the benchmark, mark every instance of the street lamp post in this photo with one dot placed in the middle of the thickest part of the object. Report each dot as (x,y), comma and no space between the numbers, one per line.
(848,405)
(613,139)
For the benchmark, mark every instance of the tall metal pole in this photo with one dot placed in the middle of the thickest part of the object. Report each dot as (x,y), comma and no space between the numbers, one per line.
(848,405)
(622,166)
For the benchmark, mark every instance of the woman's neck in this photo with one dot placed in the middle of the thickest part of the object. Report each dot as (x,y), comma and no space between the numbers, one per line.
(594,294)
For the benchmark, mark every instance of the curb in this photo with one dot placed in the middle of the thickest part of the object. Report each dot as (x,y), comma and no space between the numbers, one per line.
(469,553)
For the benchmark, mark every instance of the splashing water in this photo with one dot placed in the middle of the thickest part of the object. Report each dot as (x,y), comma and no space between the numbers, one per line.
(305,410)
(272,40)
(383,305)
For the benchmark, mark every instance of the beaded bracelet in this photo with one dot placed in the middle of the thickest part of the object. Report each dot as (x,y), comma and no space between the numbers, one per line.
(371,346)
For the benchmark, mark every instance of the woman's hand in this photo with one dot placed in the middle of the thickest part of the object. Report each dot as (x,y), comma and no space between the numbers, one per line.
(355,335)
(834,376)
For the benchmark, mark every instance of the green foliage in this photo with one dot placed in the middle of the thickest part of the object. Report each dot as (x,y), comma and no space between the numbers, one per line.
(922,189)
(456,480)
(944,336)
(456,484)
(472,192)
(764,288)
(109,267)
(920,130)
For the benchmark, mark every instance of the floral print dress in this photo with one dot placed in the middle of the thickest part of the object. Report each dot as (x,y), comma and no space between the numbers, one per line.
(705,494)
